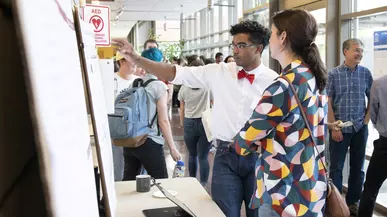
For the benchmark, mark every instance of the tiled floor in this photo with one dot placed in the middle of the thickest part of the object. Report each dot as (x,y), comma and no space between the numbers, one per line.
(178,135)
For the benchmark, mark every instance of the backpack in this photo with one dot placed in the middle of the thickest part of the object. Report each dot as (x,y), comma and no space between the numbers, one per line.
(130,125)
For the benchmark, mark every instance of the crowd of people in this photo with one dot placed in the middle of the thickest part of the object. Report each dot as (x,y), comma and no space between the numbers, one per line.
(265,154)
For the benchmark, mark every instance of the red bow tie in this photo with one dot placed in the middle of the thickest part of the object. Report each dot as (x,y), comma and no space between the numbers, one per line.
(243,74)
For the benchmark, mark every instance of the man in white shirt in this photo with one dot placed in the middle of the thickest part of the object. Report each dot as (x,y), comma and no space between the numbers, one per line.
(122,80)
(237,87)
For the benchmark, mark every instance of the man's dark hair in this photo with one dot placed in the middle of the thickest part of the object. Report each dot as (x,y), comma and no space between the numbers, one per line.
(258,34)
(218,55)
(150,41)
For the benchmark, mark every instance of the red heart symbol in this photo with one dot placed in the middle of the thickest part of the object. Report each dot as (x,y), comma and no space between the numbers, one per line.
(96,22)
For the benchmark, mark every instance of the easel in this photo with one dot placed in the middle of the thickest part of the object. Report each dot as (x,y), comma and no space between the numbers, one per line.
(44,137)
(92,105)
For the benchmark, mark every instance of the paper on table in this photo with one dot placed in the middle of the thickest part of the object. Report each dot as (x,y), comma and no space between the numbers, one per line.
(55,79)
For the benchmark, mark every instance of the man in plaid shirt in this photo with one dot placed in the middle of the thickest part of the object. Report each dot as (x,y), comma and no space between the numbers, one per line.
(349,92)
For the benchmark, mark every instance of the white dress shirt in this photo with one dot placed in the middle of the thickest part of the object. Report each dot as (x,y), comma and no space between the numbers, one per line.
(234,100)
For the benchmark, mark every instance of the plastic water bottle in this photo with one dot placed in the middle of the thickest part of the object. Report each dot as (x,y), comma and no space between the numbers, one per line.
(179,169)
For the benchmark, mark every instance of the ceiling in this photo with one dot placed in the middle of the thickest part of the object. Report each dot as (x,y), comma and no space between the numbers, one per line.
(127,12)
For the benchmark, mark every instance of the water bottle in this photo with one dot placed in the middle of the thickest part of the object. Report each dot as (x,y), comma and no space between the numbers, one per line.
(179,169)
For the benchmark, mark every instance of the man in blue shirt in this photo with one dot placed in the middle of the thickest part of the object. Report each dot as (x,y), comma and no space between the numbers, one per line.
(349,90)
(377,170)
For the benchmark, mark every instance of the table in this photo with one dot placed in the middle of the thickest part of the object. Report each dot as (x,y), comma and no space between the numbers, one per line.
(131,203)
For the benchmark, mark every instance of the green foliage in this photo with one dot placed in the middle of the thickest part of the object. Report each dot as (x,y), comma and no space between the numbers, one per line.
(172,49)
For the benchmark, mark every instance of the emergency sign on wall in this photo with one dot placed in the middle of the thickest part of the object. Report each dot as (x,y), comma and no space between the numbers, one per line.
(99,17)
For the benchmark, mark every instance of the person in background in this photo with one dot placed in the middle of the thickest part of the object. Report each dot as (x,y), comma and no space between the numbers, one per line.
(236,87)
(125,75)
(290,178)
(151,153)
(203,58)
(122,80)
(150,43)
(140,72)
(193,102)
(229,59)
(218,57)
(348,87)
(377,170)
(174,60)
(209,61)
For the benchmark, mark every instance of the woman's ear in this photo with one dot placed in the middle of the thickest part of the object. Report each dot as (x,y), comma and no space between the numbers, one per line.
(282,38)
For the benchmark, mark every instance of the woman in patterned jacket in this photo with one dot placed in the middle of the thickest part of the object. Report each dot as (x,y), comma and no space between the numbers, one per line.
(291,180)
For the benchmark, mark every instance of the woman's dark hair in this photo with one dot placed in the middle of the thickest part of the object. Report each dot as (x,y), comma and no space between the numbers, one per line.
(197,62)
(191,58)
(301,30)
(203,58)
(209,61)
(258,34)
(228,57)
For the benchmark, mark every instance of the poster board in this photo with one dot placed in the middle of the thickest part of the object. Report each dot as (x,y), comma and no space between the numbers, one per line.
(21,190)
(107,75)
(96,97)
(57,105)
(380,53)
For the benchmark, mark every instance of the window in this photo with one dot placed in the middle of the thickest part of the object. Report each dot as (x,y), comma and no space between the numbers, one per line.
(362,5)
(262,17)
(364,28)
(320,16)
(197,29)
(225,15)
(240,9)
(216,19)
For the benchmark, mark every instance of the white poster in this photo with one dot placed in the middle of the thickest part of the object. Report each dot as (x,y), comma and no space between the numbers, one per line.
(58,105)
(99,17)
(380,53)
(100,113)
(107,74)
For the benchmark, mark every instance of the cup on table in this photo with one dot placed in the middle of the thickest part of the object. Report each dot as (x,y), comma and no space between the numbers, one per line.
(143,183)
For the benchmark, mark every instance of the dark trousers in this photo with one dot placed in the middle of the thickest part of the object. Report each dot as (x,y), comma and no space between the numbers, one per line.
(233,180)
(198,147)
(357,143)
(150,155)
(376,175)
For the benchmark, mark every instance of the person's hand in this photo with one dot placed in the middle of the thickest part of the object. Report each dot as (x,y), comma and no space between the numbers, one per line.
(337,136)
(366,121)
(175,154)
(335,126)
(125,48)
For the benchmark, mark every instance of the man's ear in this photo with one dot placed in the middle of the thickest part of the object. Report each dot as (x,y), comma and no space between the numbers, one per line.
(259,48)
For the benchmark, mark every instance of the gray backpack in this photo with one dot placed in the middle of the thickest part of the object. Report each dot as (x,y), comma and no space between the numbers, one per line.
(130,125)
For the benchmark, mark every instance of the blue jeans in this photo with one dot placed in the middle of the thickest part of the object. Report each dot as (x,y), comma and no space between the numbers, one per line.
(233,180)
(198,147)
(118,162)
(266,210)
(356,141)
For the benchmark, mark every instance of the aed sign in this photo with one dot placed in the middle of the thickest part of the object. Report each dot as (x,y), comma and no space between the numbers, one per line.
(99,17)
